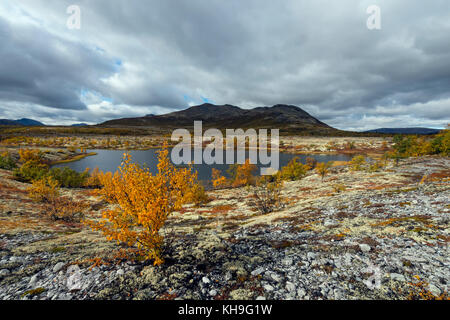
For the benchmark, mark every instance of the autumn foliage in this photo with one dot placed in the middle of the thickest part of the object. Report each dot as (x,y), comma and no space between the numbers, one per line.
(243,174)
(323,168)
(45,189)
(218,180)
(143,201)
(294,170)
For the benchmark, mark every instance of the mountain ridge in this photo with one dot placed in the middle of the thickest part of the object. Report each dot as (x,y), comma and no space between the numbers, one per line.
(21,122)
(411,130)
(229,116)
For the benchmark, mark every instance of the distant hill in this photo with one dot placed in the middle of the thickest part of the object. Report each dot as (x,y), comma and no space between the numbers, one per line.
(418,130)
(21,122)
(79,125)
(287,117)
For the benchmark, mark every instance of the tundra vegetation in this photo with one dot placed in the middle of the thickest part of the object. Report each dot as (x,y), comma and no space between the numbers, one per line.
(137,205)
(143,201)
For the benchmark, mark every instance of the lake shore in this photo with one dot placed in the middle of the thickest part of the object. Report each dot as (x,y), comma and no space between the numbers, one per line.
(386,227)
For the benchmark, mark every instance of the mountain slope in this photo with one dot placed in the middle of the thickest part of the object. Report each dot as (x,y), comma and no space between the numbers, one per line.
(417,130)
(228,116)
(21,122)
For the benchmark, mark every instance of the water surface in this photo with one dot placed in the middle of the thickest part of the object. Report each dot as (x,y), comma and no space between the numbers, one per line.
(110,160)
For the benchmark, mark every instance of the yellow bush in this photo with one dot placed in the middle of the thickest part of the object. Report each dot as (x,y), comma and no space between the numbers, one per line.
(267,194)
(44,190)
(143,202)
(244,174)
(338,188)
(30,155)
(198,195)
(294,170)
(419,291)
(357,163)
(218,180)
(322,168)
(66,209)
(93,180)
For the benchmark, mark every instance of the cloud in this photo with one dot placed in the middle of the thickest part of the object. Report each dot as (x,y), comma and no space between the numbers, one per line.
(315,54)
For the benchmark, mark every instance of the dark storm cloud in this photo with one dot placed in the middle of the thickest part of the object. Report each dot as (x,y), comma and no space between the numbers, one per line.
(315,54)
(38,67)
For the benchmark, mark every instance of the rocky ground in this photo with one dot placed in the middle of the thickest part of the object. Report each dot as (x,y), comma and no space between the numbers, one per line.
(369,241)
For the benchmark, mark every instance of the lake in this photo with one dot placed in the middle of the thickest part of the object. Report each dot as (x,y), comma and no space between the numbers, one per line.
(109,160)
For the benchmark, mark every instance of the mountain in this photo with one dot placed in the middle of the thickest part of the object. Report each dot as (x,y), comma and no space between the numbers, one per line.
(79,125)
(287,117)
(7,122)
(418,130)
(21,122)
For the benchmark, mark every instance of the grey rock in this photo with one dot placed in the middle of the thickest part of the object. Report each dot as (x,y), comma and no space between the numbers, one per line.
(434,290)
(213,293)
(397,277)
(301,293)
(364,247)
(120,272)
(311,255)
(4,272)
(330,223)
(290,287)
(58,267)
(205,280)
(275,277)
(72,269)
(257,271)
(33,280)
(287,262)
(268,287)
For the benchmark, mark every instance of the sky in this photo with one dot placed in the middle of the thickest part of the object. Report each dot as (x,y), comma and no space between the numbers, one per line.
(132,58)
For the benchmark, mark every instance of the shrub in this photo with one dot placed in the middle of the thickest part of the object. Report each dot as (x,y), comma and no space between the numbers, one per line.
(322,168)
(30,171)
(44,190)
(419,291)
(218,180)
(244,174)
(69,178)
(267,194)
(198,195)
(350,145)
(357,163)
(143,202)
(93,180)
(33,166)
(30,155)
(7,162)
(311,163)
(338,188)
(376,166)
(294,170)
(66,209)
(441,143)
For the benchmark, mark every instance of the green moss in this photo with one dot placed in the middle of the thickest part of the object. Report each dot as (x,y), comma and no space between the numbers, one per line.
(403,190)
(34,292)
(75,158)
(57,249)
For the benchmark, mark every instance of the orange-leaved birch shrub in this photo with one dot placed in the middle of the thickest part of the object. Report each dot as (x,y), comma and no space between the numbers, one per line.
(244,174)
(44,190)
(218,180)
(143,202)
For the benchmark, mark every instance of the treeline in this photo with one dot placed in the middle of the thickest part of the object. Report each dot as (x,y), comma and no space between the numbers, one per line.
(414,146)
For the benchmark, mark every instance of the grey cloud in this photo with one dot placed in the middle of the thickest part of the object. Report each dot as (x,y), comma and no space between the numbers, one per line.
(38,67)
(317,54)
